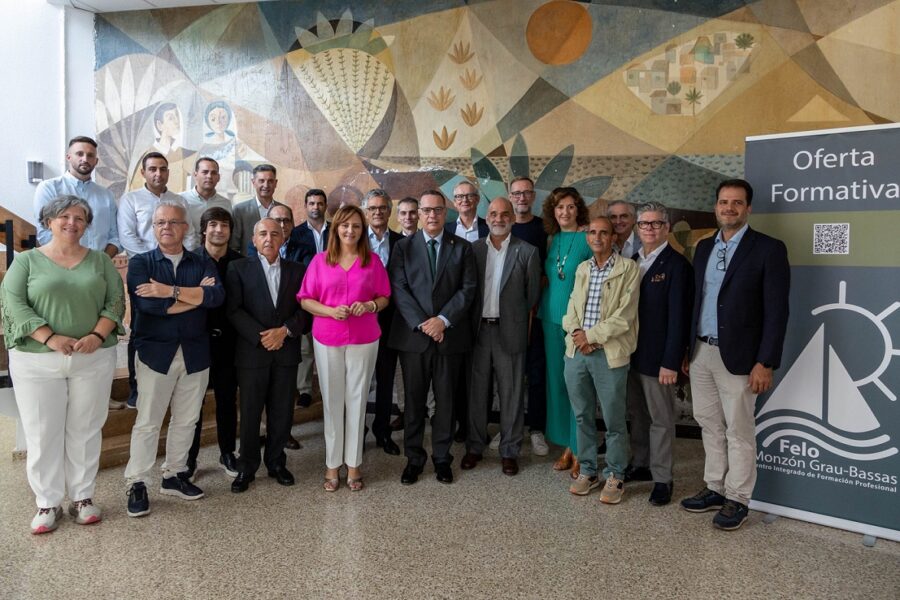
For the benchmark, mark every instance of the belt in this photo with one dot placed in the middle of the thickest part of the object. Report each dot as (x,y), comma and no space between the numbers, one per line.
(712,341)
(490,321)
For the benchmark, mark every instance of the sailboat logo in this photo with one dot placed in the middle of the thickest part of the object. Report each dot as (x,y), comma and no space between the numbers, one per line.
(835,417)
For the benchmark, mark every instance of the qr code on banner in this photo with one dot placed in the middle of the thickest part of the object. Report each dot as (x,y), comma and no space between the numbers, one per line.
(831,238)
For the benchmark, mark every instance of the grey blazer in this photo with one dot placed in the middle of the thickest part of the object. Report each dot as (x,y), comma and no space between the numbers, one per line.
(520,288)
(245,215)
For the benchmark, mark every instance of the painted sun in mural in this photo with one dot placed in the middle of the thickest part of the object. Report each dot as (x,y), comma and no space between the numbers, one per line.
(559,32)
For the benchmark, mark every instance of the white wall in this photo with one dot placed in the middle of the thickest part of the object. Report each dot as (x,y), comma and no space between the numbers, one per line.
(45,101)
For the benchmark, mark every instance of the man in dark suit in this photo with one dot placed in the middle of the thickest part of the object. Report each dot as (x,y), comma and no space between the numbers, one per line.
(433,283)
(382,241)
(310,237)
(664,313)
(248,212)
(261,304)
(509,284)
(742,279)
(470,227)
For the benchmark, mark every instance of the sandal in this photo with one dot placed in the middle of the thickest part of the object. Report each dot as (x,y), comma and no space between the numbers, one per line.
(332,483)
(355,485)
(564,462)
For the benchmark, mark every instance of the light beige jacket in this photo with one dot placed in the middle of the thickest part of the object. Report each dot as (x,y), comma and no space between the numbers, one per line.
(617,329)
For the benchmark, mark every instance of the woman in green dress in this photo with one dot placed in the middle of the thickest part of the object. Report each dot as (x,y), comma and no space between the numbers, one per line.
(61,307)
(565,215)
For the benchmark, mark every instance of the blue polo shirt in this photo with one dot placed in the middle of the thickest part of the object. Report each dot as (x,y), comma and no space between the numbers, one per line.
(157,334)
(712,282)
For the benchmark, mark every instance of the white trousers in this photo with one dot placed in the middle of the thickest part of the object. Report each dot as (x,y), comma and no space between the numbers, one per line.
(344,376)
(63,402)
(181,394)
(723,406)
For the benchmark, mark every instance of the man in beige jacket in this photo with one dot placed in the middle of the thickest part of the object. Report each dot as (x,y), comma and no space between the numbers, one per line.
(601,328)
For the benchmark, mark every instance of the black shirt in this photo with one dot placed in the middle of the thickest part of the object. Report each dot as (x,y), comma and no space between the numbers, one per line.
(533,233)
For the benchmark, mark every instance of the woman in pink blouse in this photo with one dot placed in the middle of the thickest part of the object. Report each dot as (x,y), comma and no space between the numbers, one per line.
(344,287)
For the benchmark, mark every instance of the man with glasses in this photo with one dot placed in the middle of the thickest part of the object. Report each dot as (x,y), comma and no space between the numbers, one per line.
(171,289)
(622,215)
(741,282)
(664,314)
(530,228)
(433,284)
(383,241)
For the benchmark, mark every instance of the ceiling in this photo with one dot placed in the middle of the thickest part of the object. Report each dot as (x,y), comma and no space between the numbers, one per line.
(101,6)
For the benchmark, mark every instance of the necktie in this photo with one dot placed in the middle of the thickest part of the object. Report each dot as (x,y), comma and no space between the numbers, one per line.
(432,255)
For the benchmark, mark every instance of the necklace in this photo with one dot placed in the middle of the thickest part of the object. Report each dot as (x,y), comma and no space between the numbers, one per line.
(561,265)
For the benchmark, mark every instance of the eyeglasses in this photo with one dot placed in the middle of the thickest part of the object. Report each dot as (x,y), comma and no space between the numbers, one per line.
(522,194)
(650,224)
(428,210)
(721,254)
(377,208)
(464,197)
(169,223)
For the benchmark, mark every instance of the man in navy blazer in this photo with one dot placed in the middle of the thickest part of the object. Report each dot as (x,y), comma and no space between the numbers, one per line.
(664,313)
(742,280)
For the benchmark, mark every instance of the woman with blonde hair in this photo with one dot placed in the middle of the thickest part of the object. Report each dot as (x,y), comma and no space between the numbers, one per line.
(344,287)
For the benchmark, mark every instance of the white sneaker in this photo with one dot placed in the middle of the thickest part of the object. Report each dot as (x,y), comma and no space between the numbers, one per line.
(538,444)
(85,512)
(46,520)
(116,404)
(495,442)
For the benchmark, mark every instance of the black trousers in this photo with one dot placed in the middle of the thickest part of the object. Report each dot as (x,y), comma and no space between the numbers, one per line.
(272,388)
(536,373)
(223,381)
(421,371)
(385,368)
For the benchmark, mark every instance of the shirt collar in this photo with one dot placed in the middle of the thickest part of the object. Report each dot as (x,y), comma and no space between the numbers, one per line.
(653,254)
(735,239)
(609,262)
(373,236)
(265,262)
(439,237)
(474,226)
(75,180)
(503,245)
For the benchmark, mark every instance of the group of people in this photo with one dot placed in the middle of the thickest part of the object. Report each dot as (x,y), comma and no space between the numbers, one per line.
(581,312)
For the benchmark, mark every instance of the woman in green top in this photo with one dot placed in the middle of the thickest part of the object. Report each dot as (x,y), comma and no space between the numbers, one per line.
(565,213)
(62,306)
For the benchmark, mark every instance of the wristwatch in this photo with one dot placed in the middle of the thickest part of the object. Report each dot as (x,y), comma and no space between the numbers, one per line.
(175,292)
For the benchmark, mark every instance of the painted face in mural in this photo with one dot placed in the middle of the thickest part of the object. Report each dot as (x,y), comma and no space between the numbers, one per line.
(521,193)
(732,208)
(651,237)
(156,174)
(408,216)
(623,219)
(500,217)
(566,213)
(465,200)
(218,120)
(432,214)
(600,238)
(282,216)
(170,126)
(315,208)
(378,211)
(264,183)
(217,233)
(268,238)
(82,158)
(206,177)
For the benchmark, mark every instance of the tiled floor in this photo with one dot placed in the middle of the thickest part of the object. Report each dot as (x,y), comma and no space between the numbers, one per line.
(485,536)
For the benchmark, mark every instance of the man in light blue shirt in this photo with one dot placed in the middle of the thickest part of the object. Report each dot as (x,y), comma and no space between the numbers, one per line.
(713,278)
(81,156)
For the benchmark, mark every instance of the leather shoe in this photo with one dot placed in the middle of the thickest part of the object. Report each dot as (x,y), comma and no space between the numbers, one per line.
(443,473)
(460,436)
(282,476)
(469,461)
(242,482)
(397,423)
(292,443)
(633,473)
(661,494)
(410,474)
(389,445)
(510,466)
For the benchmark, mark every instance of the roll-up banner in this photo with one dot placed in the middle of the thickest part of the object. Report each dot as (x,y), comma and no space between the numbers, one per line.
(828,434)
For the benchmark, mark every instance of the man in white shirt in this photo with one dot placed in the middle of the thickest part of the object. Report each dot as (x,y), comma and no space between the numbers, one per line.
(203,195)
(247,213)
(408,216)
(102,233)
(469,226)
(622,215)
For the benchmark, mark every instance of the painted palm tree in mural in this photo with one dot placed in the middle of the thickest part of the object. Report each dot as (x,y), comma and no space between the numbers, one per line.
(744,41)
(693,97)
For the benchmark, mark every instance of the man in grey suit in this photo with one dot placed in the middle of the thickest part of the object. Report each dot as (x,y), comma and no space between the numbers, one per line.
(247,213)
(509,283)
(433,284)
